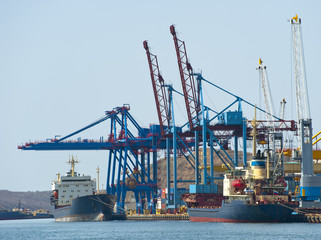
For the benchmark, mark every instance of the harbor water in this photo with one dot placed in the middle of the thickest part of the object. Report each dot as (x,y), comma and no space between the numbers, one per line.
(154,230)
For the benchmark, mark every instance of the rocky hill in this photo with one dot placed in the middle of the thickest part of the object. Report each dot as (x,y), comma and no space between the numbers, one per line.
(186,172)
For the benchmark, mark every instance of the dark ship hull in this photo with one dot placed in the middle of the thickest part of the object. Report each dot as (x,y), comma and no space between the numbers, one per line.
(13,215)
(6,214)
(98,207)
(241,211)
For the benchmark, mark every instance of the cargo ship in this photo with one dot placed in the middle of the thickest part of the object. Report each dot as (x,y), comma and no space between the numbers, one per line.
(249,195)
(74,198)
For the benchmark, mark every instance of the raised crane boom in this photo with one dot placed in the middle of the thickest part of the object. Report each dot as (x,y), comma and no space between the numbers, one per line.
(302,99)
(266,93)
(191,95)
(159,90)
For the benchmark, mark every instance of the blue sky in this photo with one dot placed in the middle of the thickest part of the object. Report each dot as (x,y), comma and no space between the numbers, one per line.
(64,63)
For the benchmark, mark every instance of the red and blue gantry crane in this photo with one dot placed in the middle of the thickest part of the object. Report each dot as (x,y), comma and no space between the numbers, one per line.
(175,138)
(132,161)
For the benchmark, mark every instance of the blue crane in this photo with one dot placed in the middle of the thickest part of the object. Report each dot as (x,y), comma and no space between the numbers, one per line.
(128,156)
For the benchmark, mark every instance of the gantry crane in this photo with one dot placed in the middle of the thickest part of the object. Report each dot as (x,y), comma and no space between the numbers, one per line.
(196,111)
(163,108)
(197,114)
(192,97)
(127,168)
(165,111)
(129,156)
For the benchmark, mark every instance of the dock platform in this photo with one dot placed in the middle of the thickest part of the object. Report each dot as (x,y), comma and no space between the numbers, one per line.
(153,217)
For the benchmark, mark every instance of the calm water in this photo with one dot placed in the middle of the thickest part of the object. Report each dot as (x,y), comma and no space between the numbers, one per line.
(154,230)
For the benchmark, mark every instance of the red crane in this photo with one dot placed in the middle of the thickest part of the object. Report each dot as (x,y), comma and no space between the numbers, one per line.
(159,90)
(191,95)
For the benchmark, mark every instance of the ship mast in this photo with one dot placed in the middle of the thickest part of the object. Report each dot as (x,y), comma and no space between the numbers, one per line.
(254,132)
(72,162)
(97,179)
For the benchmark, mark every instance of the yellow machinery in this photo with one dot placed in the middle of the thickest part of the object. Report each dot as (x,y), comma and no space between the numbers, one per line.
(316,153)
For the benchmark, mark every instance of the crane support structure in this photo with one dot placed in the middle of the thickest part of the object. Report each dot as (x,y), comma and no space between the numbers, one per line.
(191,95)
(159,90)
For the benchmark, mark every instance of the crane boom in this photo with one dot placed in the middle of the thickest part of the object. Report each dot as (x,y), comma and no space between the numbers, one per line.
(191,95)
(159,90)
(269,110)
(302,100)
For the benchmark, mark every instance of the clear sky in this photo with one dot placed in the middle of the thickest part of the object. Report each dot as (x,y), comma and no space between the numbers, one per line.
(64,63)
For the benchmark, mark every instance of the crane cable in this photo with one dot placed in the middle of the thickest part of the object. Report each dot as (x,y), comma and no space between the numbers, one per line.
(210,99)
(180,110)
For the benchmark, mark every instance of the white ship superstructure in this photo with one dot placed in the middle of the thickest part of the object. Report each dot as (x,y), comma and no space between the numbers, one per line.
(74,198)
(72,185)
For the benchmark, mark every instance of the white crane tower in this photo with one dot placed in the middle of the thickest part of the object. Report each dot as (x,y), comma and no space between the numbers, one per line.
(310,185)
(302,99)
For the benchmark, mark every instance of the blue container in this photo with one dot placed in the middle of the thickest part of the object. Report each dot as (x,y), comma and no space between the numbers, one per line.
(233,118)
(193,188)
(203,188)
